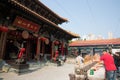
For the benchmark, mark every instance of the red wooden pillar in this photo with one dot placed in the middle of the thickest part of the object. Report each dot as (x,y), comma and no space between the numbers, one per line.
(40,41)
(43,46)
(62,48)
(27,49)
(2,44)
(38,48)
(52,49)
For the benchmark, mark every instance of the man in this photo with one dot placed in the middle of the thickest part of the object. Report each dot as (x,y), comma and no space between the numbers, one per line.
(109,65)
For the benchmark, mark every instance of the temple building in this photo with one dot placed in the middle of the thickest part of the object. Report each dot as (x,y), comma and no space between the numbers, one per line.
(31,25)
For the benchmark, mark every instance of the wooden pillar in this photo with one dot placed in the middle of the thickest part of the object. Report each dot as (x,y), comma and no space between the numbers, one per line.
(66,49)
(38,48)
(28,49)
(52,49)
(43,47)
(62,48)
(2,44)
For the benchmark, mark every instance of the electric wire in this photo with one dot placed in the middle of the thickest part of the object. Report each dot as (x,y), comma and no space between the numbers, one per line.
(91,13)
(63,9)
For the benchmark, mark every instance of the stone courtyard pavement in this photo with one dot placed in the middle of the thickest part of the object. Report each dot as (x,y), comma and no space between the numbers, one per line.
(51,72)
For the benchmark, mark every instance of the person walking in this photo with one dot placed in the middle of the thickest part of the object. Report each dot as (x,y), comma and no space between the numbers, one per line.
(109,64)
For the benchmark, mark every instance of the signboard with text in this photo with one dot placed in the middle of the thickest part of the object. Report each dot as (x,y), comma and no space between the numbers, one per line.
(26,24)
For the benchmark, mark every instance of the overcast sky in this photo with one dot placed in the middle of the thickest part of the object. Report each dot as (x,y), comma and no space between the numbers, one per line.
(88,16)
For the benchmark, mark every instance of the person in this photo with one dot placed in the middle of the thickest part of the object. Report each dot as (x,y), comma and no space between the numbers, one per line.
(109,65)
(79,63)
(79,59)
(116,57)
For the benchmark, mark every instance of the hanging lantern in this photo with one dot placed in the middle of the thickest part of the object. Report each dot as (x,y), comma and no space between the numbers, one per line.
(3,28)
(43,39)
(56,42)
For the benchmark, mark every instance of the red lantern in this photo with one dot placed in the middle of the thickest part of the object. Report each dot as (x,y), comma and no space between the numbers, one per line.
(4,29)
(43,39)
(56,42)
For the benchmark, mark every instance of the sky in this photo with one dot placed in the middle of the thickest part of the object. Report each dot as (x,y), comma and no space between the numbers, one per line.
(98,17)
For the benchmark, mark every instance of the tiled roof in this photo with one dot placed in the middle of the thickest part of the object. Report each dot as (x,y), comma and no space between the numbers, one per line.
(95,42)
(15,2)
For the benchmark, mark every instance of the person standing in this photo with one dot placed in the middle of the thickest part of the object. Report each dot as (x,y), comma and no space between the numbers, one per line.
(109,65)
(116,57)
(79,59)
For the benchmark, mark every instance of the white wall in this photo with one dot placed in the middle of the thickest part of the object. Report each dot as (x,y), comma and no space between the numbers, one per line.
(115,50)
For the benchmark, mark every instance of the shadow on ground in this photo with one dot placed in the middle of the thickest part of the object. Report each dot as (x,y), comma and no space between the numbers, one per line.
(27,72)
(1,78)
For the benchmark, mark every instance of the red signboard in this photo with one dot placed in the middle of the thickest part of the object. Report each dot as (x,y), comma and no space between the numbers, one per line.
(23,23)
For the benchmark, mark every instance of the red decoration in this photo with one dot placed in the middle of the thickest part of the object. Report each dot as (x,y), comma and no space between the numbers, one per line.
(22,50)
(3,28)
(56,42)
(43,39)
(24,23)
(56,54)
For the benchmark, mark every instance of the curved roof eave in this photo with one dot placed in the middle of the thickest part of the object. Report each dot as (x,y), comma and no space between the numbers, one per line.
(41,17)
(63,19)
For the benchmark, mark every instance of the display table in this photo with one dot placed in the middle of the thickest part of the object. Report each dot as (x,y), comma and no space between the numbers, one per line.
(81,71)
(99,74)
